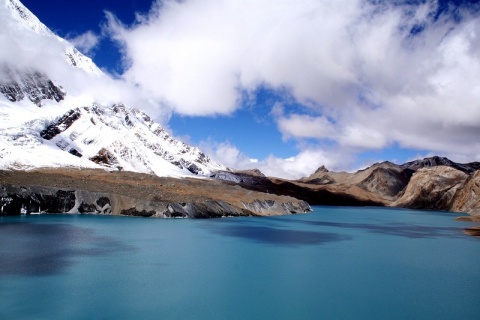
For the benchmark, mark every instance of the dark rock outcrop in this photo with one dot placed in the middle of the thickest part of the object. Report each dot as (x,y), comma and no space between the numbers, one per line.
(60,125)
(105,158)
(441,161)
(16,200)
(16,85)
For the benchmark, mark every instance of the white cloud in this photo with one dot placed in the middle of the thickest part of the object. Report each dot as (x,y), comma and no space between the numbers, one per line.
(85,42)
(368,80)
(302,126)
(227,154)
(301,165)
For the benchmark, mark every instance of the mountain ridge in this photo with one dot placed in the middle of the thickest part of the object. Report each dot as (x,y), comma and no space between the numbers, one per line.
(435,183)
(27,20)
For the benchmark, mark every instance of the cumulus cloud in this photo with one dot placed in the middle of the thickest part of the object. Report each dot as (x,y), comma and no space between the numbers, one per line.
(302,125)
(85,42)
(301,165)
(342,55)
(372,73)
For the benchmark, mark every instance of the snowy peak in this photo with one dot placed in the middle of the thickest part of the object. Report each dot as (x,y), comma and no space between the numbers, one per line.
(26,20)
(77,59)
(25,17)
(115,137)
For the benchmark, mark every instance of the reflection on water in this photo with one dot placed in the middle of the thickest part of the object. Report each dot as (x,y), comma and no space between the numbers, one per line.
(46,249)
(278,236)
(393,229)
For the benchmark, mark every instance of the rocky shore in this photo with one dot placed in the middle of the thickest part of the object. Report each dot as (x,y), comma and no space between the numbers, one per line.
(133,194)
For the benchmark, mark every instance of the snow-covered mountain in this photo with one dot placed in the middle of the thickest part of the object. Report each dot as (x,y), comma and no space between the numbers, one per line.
(43,125)
(25,19)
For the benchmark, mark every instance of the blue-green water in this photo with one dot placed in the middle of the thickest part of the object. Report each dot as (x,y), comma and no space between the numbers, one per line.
(336,263)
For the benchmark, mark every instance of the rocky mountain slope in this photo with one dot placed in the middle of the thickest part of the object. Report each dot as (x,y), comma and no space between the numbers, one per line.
(467,197)
(442,188)
(385,179)
(435,183)
(432,188)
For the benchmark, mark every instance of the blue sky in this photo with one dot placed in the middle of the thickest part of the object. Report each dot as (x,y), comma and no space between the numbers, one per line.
(294,86)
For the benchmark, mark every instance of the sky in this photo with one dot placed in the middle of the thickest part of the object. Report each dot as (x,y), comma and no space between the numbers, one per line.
(287,86)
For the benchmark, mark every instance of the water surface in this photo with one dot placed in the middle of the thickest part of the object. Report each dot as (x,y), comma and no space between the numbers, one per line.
(336,263)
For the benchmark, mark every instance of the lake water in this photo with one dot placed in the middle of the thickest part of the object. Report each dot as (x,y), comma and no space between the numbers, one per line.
(335,263)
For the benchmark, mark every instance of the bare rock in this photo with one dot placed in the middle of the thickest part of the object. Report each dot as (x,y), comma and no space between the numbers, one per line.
(467,198)
(432,188)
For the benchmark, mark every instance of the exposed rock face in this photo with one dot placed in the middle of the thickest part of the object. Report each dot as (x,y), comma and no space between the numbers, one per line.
(251,172)
(134,194)
(387,182)
(106,158)
(36,87)
(432,188)
(467,198)
(60,125)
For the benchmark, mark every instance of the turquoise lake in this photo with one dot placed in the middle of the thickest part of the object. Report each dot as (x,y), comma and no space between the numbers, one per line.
(334,263)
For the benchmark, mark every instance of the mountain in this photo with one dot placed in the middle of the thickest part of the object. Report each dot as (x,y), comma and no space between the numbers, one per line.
(26,20)
(32,85)
(70,190)
(467,198)
(435,183)
(86,135)
(62,151)
(386,178)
